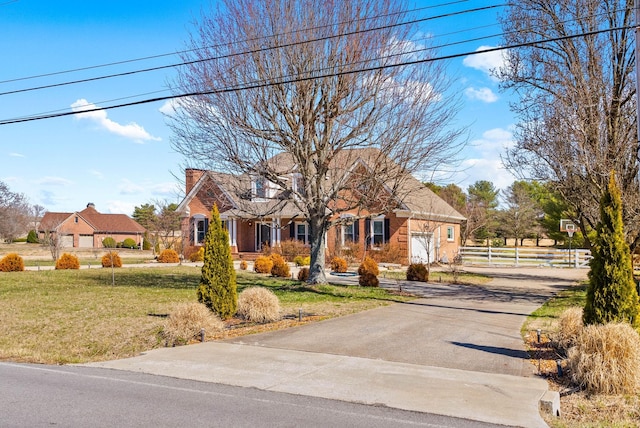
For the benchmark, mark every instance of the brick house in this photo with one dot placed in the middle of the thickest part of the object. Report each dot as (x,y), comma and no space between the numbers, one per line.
(88,228)
(422,226)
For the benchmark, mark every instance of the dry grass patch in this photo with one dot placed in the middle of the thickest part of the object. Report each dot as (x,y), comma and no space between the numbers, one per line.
(185,321)
(258,304)
(569,328)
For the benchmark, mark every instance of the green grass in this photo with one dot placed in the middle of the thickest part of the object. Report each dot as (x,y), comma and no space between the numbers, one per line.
(546,316)
(75,316)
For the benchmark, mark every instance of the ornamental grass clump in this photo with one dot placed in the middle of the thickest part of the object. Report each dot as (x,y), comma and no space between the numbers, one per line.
(168,256)
(280,267)
(67,261)
(11,263)
(606,359)
(258,304)
(111,259)
(368,272)
(570,326)
(338,264)
(185,322)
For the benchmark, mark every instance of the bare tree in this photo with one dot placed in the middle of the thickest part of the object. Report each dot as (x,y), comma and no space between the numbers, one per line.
(309,88)
(577,104)
(521,214)
(14,213)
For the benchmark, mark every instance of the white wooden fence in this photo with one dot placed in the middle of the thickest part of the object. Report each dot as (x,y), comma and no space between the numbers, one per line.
(526,256)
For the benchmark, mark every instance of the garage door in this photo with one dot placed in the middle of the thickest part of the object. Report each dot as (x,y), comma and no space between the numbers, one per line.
(86,241)
(66,241)
(422,248)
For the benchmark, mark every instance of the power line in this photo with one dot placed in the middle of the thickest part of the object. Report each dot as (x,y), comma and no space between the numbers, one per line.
(262,84)
(145,58)
(286,45)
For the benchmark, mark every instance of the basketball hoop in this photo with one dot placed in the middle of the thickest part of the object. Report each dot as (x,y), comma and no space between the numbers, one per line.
(570,229)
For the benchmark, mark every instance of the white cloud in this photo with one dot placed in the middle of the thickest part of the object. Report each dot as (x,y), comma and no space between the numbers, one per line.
(127,187)
(16,155)
(120,207)
(99,175)
(482,94)
(487,62)
(170,107)
(131,130)
(167,189)
(53,181)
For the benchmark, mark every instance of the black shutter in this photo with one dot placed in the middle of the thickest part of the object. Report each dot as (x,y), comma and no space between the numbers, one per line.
(206,228)
(356,231)
(191,232)
(292,230)
(367,233)
(387,230)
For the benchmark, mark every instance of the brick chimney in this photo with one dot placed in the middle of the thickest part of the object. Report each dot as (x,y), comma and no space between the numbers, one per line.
(192,176)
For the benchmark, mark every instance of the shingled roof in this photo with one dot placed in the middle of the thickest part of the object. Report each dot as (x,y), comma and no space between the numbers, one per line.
(101,223)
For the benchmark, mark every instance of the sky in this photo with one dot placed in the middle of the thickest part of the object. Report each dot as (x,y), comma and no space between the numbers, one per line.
(122,158)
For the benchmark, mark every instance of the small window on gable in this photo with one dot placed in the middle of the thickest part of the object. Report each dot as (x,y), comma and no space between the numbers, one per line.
(450,233)
(259,188)
(75,219)
(298,184)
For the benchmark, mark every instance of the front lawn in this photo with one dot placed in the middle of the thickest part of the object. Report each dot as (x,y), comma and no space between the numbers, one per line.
(76,316)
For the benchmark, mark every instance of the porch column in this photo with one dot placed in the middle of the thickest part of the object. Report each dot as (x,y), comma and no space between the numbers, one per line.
(233,232)
(277,235)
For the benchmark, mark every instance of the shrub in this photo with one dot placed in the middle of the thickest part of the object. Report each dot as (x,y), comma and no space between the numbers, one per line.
(569,327)
(67,261)
(258,304)
(243,265)
(280,267)
(302,260)
(111,259)
(389,254)
(303,274)
(351,252)
(11,263)
(263,264)
(197,256)
(292,248)
(417,272)
(168,256)
(606,359)
(217,288)
(368,272)
(129,243)
(109,242)
(338,264)
(185,322)
(32,237)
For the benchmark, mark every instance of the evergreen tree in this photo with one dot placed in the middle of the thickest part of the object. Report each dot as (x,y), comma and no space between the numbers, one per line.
(217,289)
(612,294)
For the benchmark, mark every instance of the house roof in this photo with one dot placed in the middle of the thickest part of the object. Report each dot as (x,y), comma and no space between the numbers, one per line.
(415,199)
(101,223)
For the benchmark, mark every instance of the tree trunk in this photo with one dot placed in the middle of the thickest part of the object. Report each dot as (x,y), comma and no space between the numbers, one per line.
(317,233)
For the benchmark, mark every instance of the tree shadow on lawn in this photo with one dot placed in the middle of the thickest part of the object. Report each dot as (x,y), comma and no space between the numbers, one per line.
(156,278)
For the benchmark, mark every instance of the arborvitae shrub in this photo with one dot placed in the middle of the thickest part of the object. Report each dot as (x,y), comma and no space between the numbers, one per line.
(303,274)
(32,237)
(168,256)
(109,242)
(243,265)
(146,244)
(263,264)
(11,263)
(197,256)
(185,322)
(280,267)
(606,359)
(217,288)
(111,258)
(338,264)
(129,243)
(258,304)
(368,272)
(68,261)
(417,272)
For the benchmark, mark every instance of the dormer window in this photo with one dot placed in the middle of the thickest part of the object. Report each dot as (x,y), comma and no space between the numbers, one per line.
(259,188)
(297,184)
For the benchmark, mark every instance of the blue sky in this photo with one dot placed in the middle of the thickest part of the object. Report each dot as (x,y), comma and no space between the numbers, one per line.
(122,158)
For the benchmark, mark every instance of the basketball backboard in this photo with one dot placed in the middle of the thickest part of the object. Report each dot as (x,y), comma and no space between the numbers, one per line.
(567,225)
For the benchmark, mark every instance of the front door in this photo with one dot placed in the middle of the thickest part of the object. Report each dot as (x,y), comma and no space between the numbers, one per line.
(263,236)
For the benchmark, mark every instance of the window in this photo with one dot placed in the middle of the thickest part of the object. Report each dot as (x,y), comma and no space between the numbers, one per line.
(201,230)
(260,188)
(302,232)
(450,233)
(298,184)
(378,232)
(76,219)
(350,231)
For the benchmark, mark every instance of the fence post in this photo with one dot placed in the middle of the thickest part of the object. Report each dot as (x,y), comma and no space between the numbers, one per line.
(489,253)
(517,257)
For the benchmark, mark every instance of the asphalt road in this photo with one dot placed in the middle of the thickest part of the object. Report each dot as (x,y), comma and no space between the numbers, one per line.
(71,396)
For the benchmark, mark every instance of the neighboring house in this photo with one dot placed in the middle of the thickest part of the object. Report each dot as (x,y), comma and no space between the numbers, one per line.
(88,228)
(422,226)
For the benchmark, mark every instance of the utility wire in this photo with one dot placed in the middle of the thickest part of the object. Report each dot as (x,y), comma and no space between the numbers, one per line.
(263,84)
(145,58)
(286,45)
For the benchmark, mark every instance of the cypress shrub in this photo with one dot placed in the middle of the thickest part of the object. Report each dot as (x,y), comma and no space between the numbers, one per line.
(217,289)
(280,267)
(11,263)
(417,272)
(368,272)
(263,264)
(111,259)
(67,261)
(612,294)
(243,265)
(32,237)
(338,264)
